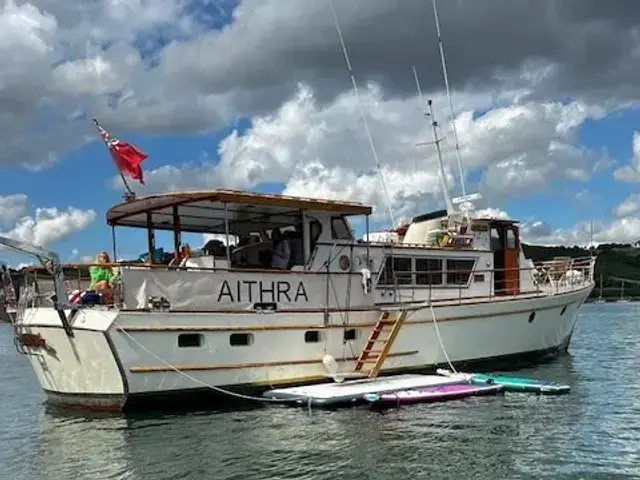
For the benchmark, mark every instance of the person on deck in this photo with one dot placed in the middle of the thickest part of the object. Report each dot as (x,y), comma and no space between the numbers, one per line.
(102,278)
(281,251)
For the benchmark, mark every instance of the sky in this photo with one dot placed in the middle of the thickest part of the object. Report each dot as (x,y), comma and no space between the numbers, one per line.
(256,95)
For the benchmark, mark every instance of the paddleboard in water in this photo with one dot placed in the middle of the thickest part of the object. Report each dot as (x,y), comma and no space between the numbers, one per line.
(511,383)
(437,393)
(520,384)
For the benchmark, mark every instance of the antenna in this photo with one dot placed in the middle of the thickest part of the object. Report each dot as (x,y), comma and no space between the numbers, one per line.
(436,141)
(364,117)
(465,201)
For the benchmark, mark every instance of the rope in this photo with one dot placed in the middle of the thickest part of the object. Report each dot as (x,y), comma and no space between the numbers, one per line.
(364,117)
(206,385)
(444,350)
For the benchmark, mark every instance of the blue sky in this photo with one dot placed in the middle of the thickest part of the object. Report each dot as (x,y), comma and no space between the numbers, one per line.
(193,96)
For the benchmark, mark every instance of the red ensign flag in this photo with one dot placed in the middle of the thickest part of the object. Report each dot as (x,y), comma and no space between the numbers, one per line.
(127,157)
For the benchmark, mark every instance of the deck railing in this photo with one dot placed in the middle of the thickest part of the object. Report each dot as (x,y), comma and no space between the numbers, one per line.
(547,277)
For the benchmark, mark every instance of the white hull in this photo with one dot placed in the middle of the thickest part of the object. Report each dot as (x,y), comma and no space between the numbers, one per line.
(116,357)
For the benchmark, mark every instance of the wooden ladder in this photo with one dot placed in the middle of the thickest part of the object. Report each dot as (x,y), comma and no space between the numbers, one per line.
(377,356)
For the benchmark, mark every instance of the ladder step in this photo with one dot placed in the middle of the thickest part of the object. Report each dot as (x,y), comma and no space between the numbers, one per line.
(369,355)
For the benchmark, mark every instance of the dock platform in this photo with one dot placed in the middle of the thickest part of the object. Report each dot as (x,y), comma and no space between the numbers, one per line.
(352,391)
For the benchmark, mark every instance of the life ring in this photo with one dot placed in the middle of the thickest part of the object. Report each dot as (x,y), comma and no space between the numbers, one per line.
(445,240)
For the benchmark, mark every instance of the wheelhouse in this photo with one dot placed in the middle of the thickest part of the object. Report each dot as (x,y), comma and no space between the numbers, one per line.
(240,226)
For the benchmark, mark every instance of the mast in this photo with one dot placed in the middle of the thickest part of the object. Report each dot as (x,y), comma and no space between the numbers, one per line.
(436,141)
(446,84)
(464,201)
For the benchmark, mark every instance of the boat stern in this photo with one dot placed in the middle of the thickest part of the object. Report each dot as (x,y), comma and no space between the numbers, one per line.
(76,366)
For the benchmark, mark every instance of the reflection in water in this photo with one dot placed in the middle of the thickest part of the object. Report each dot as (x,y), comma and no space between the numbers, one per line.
(594,432)
(82,447)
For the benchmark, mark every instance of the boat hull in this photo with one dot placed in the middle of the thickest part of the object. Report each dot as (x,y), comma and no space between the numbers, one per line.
(132,360)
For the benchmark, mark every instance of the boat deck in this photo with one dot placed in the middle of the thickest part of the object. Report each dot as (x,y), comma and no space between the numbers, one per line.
(353,391)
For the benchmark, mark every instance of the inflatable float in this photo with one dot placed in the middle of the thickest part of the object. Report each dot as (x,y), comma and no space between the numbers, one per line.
(510,383)
(433,394)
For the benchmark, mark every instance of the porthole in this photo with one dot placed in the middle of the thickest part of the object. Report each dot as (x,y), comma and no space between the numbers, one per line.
(241,339)
(312,336)
(564,309)
(349,334)
(532,316)
(189,340)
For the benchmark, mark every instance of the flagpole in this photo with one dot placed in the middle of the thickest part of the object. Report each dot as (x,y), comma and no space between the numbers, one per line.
(129,194)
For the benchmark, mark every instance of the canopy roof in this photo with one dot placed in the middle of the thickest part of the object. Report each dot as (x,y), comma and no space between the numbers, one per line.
(204,211)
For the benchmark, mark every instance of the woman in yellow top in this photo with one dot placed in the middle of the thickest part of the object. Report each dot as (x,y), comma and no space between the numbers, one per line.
(102,278)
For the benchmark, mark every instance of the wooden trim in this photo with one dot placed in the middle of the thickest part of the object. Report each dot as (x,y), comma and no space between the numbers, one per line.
(157,202)
(270,328)
(235,366)
(437,302)
(408,246)
(365,308)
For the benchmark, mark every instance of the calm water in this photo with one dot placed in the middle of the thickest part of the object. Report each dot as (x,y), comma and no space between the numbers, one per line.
(594,432)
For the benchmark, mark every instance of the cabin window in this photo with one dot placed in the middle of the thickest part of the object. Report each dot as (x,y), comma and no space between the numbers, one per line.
(511,239)
(386,276)
(402,270)
(339,229)
(312,336)
(241,339)
(458,271)
(188,340)
(496,242)
(349,334)
(397,270)
(315,230)
(428,271)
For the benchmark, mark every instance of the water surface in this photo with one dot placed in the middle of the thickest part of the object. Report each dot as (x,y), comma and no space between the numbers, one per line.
(592,433)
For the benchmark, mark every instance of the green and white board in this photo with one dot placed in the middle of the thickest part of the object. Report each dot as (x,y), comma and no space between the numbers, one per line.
(511,383)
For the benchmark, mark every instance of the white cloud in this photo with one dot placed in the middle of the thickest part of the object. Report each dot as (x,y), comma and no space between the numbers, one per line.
(490,213)
(631,172)
(162,66)
(620,230)
(101,74)
(630,206)
(12,207)
(321,150)
(48,225)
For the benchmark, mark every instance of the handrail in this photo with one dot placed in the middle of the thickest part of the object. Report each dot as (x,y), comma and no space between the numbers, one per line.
(544,275)
(160,266)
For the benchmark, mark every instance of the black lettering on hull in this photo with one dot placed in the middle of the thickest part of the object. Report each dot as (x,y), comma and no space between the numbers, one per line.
(257,291)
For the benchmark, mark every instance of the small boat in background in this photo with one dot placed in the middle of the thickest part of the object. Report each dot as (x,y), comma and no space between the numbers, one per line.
(436,393)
